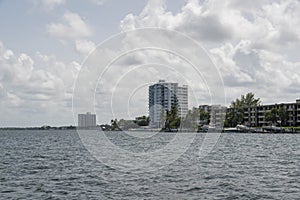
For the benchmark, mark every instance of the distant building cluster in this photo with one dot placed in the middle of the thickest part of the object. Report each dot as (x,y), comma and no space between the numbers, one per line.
(162,97)
(217,114)
(87,120)
(165,97)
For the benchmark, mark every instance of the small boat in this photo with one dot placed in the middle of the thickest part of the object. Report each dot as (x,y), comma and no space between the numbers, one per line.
(273,129)
(240,129)
(231,130)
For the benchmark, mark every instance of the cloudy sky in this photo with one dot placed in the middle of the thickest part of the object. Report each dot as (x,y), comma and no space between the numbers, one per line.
(46,45)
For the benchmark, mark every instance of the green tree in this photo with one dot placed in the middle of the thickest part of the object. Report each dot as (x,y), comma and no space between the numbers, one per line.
(271,116)
(230,120)
(127,124)
(249,100)
(203,117)
(187,121)
(235,114)
(172,119)
(194,118)
(142,121)
(114,125)
(283,115)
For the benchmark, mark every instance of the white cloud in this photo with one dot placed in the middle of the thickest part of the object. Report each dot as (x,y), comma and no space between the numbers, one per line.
(14,100)
(250,41)
(268,74)
(268,24)
(193,20)
(38,84)
(52,3)
(47,5)
(84,47)
(98,2)
(72,27)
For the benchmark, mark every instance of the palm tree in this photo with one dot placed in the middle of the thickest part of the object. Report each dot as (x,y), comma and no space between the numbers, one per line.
(172,119)
(271,116)
(114,125)
(283,115)
(249,100)
(235,115)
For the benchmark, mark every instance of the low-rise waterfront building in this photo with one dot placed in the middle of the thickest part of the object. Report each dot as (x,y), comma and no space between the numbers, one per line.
(217,114)
(255,116)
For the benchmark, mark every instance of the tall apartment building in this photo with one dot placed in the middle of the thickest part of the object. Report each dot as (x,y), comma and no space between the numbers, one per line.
(87,120)
(164,95)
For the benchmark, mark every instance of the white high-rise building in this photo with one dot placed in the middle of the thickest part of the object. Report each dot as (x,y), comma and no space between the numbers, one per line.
(87,120)
(164,95)
(183,100)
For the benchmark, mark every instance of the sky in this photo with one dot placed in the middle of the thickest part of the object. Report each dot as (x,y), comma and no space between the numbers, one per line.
(54,55)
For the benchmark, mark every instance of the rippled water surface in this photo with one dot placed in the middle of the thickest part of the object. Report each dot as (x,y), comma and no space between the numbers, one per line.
(55,165)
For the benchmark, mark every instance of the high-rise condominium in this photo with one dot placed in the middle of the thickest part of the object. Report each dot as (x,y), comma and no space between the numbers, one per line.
(86,120)
(162,97)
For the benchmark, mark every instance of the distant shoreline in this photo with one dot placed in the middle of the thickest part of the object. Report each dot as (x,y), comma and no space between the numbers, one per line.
(145,130)
(40,128)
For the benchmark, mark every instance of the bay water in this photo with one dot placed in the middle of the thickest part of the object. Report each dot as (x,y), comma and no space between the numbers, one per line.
(54,164)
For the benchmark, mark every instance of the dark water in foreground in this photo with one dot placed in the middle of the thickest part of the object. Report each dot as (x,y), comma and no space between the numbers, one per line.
(55,165)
